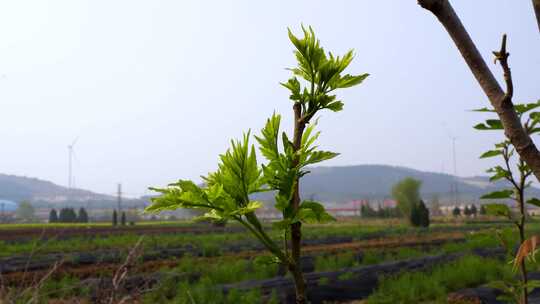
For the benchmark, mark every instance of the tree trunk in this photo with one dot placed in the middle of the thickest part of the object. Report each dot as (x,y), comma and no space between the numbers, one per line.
(536,6)
(502,102)
(296,228)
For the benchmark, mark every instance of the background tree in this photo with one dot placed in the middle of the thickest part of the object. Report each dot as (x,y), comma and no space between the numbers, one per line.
(483,210)
(467,211)
(115,218)
(53,216)
(407,195)
(67,215)
(25,211)
(123,219)
(456,211)
(423,215)
(474,210)
(367,211)
(62,217)
(83,216)
(226,194)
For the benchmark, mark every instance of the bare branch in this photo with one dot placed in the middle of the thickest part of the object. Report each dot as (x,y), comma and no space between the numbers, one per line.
(500,100)
(502,57)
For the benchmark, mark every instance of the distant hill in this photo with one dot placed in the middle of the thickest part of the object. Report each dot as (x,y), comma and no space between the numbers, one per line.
(40,192)
(326,184)
(343,184)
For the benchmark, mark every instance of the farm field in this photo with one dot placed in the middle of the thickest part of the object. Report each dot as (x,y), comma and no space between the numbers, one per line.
(270,152)
(375,261)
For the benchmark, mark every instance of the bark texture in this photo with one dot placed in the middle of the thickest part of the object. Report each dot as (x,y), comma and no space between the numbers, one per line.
(500,100)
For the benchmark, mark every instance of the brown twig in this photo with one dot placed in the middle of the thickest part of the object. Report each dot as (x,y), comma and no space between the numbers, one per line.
(502,56)
(122,272)
(37,287)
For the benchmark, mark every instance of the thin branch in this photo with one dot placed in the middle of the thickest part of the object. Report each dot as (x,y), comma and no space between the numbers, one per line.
(510,178)
(502,57)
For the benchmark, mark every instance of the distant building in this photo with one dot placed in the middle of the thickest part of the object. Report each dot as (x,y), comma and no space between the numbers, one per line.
(7,206)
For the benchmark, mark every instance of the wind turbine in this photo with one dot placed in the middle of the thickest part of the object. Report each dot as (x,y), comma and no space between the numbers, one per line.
(71,153)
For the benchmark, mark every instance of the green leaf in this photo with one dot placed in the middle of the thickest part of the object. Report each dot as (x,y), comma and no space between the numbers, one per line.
(311,211)
(490,124)
(503,194)
(499,173)
(498,210)
(534,201)
(318,156)
(307,139)
(348,81)
(535,116)
(483,110)
(335,106)
(268,140)
(251,207)
(531,284)
(213,216)
(266,260)
(491,153)
(284,224)
(522,108)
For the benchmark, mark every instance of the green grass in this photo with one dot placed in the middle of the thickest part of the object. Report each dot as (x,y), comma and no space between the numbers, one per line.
(375,256)
(207,274)
(211,243)
(203,289)
(96,224)
(417,287)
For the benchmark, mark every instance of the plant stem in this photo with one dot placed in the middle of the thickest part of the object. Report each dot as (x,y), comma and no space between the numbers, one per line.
(521,203)
(296,229)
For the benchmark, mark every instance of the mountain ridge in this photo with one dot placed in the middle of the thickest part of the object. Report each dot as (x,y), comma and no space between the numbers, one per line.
(332,184)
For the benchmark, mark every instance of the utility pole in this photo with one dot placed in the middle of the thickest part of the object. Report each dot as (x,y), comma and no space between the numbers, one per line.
(455,170)
(119,196)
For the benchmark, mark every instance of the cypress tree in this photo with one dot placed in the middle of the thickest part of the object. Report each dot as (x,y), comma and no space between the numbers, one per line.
(53,216)
(473,210)
(423,215)
(115,218)
(483,210)
(456,212)
(83,216)
(63,216)
(72,215)
(467,211)
(123,219)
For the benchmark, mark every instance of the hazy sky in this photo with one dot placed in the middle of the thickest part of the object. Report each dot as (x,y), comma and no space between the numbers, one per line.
(155,89)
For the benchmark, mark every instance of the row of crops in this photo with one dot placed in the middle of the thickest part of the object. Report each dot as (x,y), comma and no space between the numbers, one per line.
(228,268)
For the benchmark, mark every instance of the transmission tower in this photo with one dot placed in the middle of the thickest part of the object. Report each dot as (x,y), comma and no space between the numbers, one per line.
(119,198)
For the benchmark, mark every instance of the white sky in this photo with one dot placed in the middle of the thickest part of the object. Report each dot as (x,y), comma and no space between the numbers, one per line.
(156,89)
